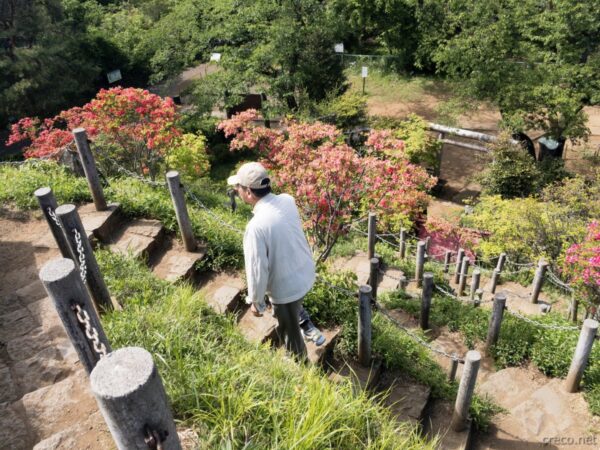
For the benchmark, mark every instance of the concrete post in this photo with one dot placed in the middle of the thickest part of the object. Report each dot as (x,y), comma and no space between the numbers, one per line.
(453,369)
(48,204)
(84,255)
(364,326)
(374,277)
(538,281)
(501,261)
(474,284)
(183,218)
(402,243)
(89,167)
(495,320)
(426,296)
(372,235)
(464,271)
(459,257)
(494,281)
(582,354)
(447,258)
(133,401)
(460,416)
(420,263)
(63,284)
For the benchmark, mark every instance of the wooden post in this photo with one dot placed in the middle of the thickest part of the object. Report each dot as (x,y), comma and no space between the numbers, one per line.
(403,282)
(84,255)
(133,401)
(447,258)
(64,286)
(495,321)
(89,167)
(459,257)
(420,263)
(426,296)
(494,282)
(183,218)
(464,271)
(460,416)
(402,243)
(48,204)
(538,281)
(573,310)
(474,284)
(501,261)
(372,235)
(453,369)
(582,354)
(374,277)
(364,325)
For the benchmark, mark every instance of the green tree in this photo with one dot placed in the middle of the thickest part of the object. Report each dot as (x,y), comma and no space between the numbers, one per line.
(537,60)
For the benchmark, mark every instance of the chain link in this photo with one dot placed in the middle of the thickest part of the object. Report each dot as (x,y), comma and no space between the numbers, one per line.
(52,215)
(557,282)
(131,174)
(210,213)
(454,297)
(539,324)
(90,332)
(81,255)
(152,439)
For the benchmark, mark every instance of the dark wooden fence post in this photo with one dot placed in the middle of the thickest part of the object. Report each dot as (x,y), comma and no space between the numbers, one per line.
(494,281)
(538,281)
(460,416)
(426,296)
(74,307)
(459,258)
(372,235)
(181,212)
(364,325)
(501,261)
(474,284)
(420,263)
(402,243)
(582,354)
(447,258)
(48,204)
(89,167)
(464,271)
(495,320)
(374,276)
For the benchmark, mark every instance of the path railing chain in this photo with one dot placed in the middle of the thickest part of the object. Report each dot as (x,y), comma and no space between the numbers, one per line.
(90,332)
(81,256)
(195,198)
(152,439)
(52,215)
(539,324)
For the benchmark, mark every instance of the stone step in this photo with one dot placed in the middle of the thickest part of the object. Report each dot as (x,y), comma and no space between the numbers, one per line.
(407,398)
(257,329)
(140,238)
(173,262)
(362,378)
(437,423)
(389,281)
(222,291)
(319,355)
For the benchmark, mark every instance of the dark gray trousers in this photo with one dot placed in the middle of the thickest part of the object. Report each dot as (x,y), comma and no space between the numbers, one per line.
(288,329)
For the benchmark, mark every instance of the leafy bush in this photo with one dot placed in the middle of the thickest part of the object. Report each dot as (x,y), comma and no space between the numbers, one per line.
(344,111)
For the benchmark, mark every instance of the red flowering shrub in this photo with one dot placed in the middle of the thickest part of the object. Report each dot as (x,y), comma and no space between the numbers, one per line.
(582,265)
(332,184)
(131,125)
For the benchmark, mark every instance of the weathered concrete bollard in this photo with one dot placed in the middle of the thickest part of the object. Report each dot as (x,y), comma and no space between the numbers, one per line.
(402,243)
(464,271)
(460,416)
(374,277)
(48,204)
(74,307)
(474,284)
(459,258)
(183,218)
(538,281)
(82,251)
(89,167)
(372,235)
(133,402)
(364,325)
(420,263)
(495,320)
(501,261)
(582,354)
(447,258)
(494,281)
(426,297)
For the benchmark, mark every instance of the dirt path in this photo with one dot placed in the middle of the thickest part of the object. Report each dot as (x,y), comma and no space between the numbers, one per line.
(45,400)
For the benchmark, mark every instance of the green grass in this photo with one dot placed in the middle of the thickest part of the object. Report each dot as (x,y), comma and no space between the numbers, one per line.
(232,393)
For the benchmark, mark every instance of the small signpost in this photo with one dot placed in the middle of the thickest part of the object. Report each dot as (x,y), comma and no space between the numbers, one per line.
(114,76)
(364,73)
(216,57)
(339,48)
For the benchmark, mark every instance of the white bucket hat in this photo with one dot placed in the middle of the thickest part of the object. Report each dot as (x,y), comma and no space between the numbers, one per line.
(252,175)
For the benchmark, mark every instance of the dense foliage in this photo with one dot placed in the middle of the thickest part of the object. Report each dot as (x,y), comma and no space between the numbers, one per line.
(582,264)
(332,184)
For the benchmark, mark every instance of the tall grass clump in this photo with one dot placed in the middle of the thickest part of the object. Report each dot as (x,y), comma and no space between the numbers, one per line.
(235,394)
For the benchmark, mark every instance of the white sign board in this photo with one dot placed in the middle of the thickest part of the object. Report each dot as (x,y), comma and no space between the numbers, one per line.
(113,76)
(364,72)
(339,48)
(215,57)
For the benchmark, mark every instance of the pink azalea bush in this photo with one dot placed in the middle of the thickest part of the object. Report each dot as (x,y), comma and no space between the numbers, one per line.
(582,264)
(448,235)
(332,183)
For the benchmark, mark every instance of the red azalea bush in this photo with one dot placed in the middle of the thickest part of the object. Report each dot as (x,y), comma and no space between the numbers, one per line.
(448,235)
(131,125)
(582,265)
(332,184)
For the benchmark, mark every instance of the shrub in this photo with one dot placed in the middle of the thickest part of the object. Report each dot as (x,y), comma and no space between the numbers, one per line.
(582,265)
(344,111)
